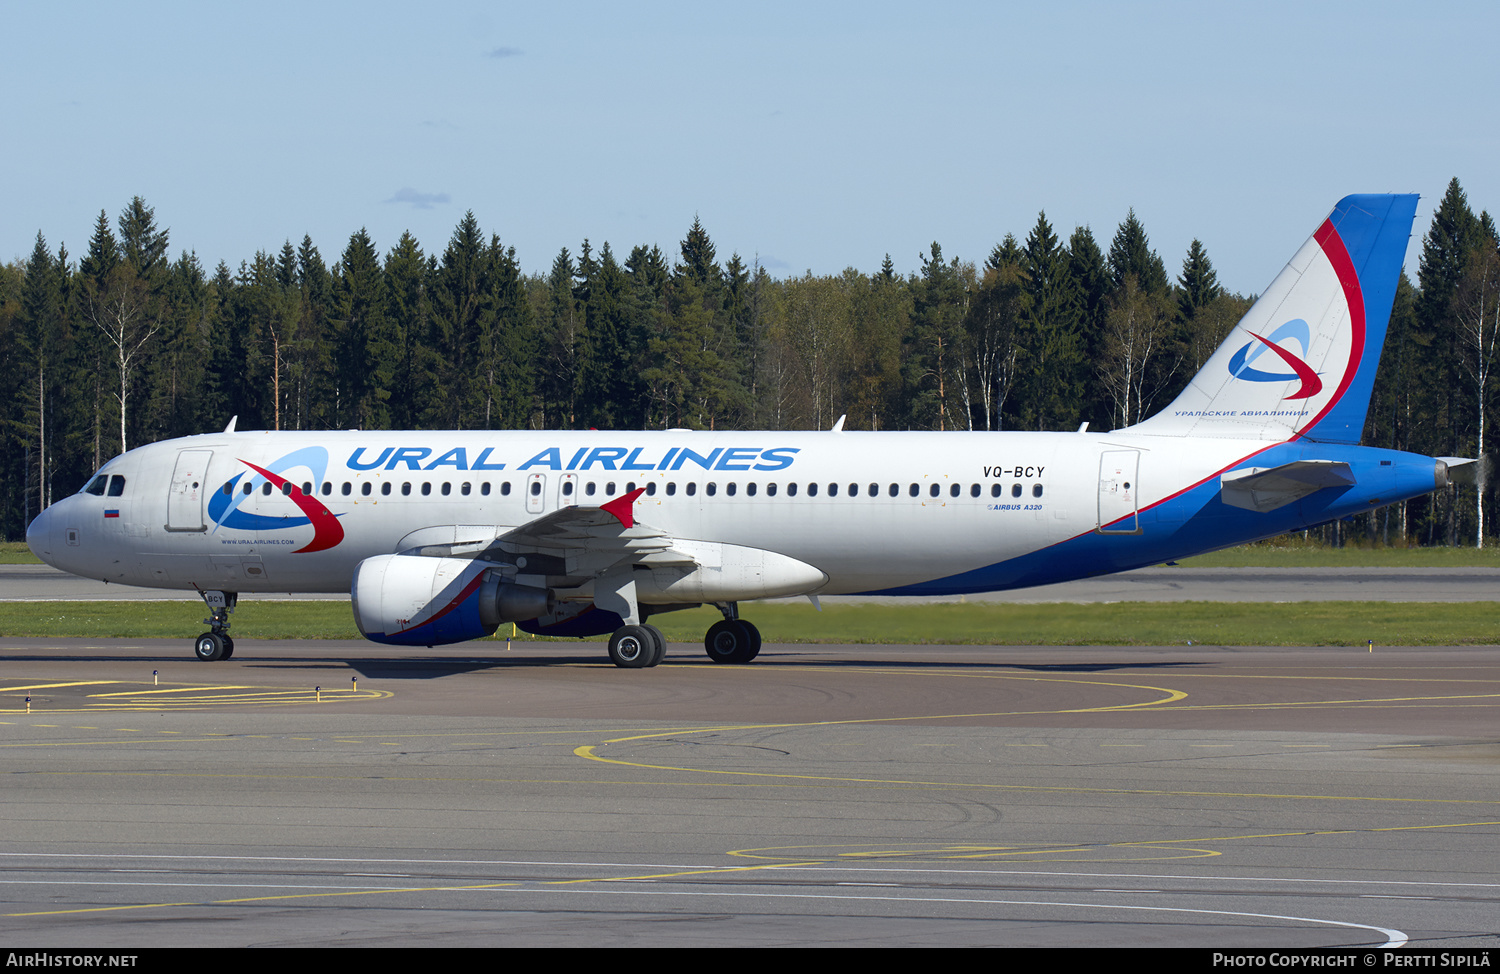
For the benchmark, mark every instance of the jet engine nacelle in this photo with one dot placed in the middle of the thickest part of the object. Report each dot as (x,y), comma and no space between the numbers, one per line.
(414,600)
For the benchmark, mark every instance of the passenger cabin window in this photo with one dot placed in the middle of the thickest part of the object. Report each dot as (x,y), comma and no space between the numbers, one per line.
(791,490)
(713,488)
(484,488)
(770,490)
(651,489)
(934,490)
(327,487)
(974,490)
(953,490)
(914,490)
(671,490)
(692,489)
(567,488)
(385,489)
(1036,490)
(265,489)
(1015,490)
(406,490)
(447,488)
(347,489)
(426,489)
(505,489)
(96,486)
(996,490)
(307,489)
(464,489)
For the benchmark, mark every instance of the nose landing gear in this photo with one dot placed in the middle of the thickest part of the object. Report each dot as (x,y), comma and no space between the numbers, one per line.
(216,644)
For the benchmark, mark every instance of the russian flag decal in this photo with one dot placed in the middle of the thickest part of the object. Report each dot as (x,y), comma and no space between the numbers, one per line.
(111,513)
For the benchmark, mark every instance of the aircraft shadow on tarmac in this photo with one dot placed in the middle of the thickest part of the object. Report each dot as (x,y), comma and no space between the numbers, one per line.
(431,667)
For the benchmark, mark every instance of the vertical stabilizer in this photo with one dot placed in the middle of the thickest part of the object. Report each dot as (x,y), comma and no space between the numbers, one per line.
(1302,361)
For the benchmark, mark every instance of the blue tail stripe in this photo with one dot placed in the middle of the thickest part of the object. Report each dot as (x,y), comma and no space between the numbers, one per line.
(1375,230)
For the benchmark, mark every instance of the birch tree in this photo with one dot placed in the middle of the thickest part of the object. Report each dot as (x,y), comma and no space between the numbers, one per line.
(1477,313)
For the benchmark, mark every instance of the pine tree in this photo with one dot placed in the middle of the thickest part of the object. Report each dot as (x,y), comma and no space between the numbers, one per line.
(935,358)
(698,259)
(461,309)
(1199,283)
(1130,253)
(310,396)
(406,315)
(40,337)
(142,245)
(1053,347)
(1091,287)
(993,324)
(363,352)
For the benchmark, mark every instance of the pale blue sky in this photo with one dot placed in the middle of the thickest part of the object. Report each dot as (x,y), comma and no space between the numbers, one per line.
(816,136)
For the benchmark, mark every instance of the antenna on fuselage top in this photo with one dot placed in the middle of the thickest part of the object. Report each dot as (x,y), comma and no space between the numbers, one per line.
(838,427)
(232,420)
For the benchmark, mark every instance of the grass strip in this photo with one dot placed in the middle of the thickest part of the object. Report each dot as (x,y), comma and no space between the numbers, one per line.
(1052,624)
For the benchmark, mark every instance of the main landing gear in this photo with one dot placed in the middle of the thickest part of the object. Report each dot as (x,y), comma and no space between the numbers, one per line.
(216,644)
(637,646)
(732,639)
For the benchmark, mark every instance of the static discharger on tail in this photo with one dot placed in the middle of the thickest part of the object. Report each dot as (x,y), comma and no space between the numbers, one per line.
(442,537)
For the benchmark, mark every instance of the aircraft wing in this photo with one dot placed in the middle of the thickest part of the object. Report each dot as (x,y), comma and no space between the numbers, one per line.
(591,540)
(593,552)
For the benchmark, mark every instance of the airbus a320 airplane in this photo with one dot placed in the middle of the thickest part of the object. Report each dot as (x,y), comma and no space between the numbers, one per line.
(443,536)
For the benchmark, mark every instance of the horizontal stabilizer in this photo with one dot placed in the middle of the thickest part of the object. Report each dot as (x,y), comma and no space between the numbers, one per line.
(1267,488)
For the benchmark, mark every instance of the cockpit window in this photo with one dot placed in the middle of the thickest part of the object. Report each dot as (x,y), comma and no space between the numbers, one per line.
(96,486)
(116,485)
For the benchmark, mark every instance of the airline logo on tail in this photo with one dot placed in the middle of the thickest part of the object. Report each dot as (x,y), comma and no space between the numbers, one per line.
(1240,365)
(224,505)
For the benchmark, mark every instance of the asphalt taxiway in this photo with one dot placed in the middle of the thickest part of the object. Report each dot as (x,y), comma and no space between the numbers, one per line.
(859,795)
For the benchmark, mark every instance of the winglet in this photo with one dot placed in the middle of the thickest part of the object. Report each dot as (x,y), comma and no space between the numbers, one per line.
(621,507)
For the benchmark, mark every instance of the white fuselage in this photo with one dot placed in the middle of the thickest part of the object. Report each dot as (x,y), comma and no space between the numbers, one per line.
(872,511)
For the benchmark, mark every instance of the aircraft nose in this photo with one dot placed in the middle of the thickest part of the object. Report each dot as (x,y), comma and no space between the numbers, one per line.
(39,536)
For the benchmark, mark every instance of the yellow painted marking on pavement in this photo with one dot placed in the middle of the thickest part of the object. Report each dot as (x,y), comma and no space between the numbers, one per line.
(587,752)
(418,889)
(1275,705)
(146,693)
(687,872)
(133,742)
(57,686)
(833,853)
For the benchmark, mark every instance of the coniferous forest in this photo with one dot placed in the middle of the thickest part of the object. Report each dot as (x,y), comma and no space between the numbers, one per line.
(122,344)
